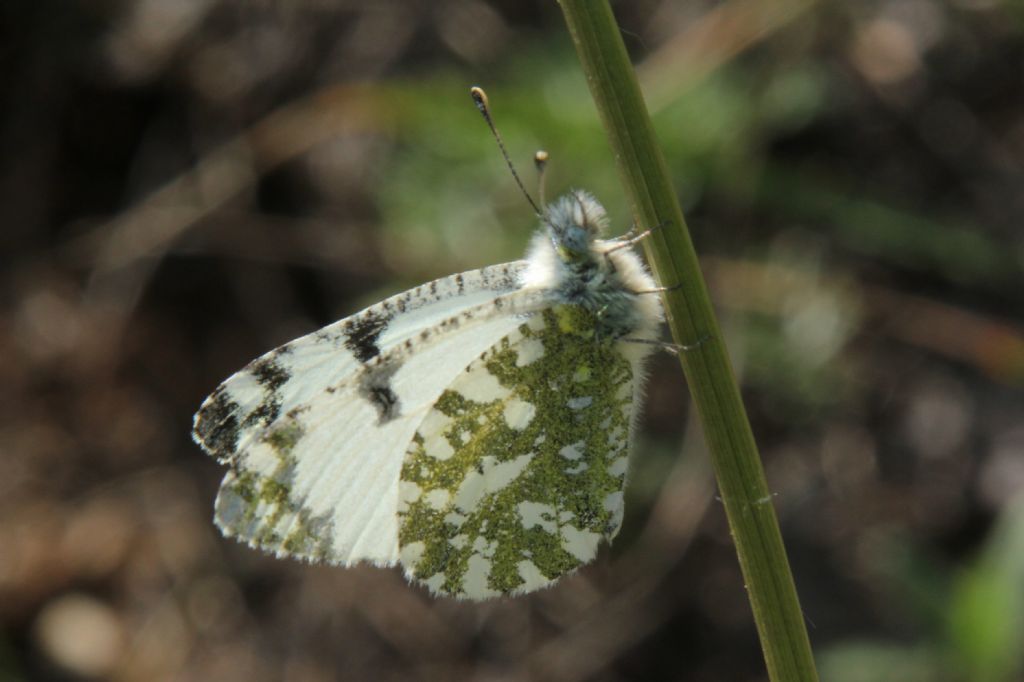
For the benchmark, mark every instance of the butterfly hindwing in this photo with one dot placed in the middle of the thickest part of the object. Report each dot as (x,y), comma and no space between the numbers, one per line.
(516,473)
(315,431)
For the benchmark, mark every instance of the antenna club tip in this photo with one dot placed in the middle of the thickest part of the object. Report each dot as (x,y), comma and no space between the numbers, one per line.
(479,97)
(540,160)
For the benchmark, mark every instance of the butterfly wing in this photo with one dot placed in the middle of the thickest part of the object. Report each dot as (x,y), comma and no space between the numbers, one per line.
(314,432)
(516,473)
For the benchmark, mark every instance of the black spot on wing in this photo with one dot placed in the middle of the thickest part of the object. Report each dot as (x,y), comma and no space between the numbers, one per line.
(361,334)
(269,372)
(217,425)
(266,412)
(375,387)
(271,375)
(386,402)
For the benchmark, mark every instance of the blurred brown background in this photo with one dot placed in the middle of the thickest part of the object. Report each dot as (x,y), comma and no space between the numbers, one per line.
(188,183)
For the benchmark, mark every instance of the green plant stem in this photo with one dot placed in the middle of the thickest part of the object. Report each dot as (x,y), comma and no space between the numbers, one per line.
(741,481)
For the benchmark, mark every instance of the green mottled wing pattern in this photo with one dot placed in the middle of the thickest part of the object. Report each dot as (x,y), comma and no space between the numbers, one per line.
(516,473)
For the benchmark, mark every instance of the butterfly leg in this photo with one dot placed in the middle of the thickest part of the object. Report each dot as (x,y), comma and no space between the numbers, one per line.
(668,346)
(629,239)
(633,237)
(658,290)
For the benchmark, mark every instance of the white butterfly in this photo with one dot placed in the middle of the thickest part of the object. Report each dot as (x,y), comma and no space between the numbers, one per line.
(475,429)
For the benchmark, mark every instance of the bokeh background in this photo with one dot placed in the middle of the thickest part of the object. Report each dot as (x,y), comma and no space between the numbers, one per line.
(187,183)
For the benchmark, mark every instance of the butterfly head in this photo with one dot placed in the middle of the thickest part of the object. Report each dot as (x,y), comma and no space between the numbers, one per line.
(573,223)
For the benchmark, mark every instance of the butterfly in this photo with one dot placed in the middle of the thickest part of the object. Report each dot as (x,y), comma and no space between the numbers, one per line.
(475,430)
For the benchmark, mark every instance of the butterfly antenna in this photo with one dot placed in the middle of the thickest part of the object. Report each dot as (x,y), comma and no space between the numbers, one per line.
(480,99)
(540,161)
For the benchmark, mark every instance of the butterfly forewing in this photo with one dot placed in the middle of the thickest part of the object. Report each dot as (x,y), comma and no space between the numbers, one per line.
(516,474)
(315,431)
(243,407)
